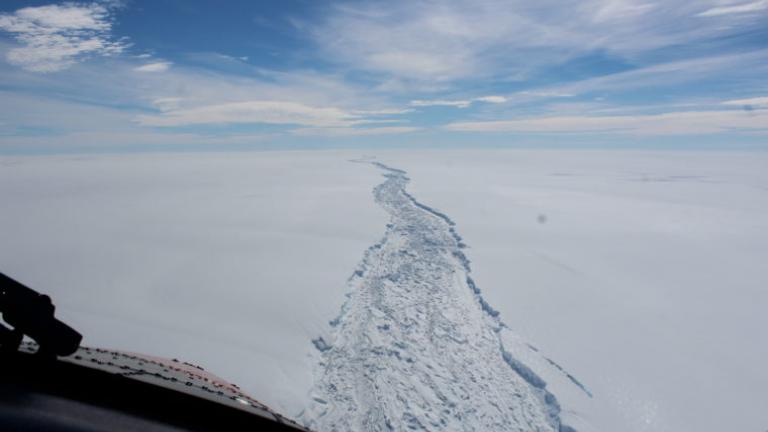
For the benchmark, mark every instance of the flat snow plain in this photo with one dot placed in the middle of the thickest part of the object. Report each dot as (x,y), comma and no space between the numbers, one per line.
(643,274)
(648,279)
(230,261)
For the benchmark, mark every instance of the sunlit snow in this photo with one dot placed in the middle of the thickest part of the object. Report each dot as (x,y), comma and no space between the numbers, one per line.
(632,283)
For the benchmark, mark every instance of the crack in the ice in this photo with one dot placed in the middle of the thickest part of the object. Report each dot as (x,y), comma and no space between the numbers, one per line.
(416,346)
(570,377)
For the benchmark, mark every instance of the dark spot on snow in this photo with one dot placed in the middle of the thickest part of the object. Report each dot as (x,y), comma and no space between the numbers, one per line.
(321,344)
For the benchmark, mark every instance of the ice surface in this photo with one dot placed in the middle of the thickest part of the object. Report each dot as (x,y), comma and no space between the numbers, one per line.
(642,275)
(647,278)
(416,347)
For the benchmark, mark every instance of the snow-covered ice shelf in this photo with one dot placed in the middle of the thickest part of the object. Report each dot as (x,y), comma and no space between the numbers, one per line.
(642,274)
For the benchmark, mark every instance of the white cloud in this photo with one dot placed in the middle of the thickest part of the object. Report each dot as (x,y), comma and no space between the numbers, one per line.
(613,10)
(54,37)
(154,67)
(491,99)
(547,94)
(734,68)
(423,42)
(442,102)
(736,9)
(343,132)
(418,63)
(271,112)
(189,96)
(676,123)
(761,102)
(167,103)
(383,112)
(458,103)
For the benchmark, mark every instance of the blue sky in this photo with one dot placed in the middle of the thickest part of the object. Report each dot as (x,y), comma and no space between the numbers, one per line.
(184,74)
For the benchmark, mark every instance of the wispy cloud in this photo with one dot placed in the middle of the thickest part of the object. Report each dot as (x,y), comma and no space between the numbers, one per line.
(760,102)
(614,10)
(422,41)
(742,8)
(675,123)
(165,104)
(270,112)
(383,112)
(491,99)
(185,96)
(735,68)
(315,120)
(463,103)
(547,94)
(442,102)
(154,67)
(54,37)
(345,132)
(373,68)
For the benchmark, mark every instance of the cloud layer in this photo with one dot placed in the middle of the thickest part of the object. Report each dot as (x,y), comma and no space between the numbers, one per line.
(153,67)
(464,103)
(675,123)
(274,112)
(351,69)
(741,8)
